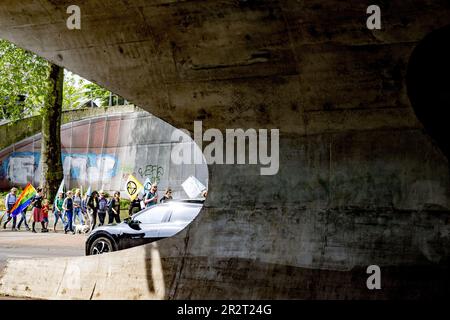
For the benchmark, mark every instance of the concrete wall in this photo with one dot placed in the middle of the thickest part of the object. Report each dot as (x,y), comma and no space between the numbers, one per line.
(360,182)
(102,150)
(11,133)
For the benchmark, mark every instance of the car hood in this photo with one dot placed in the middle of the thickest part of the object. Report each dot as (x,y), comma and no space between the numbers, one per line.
(111,228)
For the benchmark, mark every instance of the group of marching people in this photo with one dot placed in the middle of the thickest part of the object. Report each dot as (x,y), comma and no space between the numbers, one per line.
(67,208)
(40,209)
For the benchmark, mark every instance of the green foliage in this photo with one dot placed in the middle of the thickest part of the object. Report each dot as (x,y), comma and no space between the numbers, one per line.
(93,90)
(73,94)
(78,91)
(24,85)
(124,204)
(23,82)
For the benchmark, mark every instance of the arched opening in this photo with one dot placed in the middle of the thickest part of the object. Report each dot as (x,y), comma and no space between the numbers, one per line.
(101,149)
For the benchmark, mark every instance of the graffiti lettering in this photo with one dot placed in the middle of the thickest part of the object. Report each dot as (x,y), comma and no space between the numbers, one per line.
(154,172)
(23,167)
(20,169)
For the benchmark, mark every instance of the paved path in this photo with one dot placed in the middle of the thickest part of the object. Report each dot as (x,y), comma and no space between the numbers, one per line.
(24,244)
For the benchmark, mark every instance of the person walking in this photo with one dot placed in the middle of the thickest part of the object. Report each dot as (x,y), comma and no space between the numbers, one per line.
(135,206)
(37,209)
(77,207)
(167,196)
(68,209)
(84,208)
(10,200)
(93,206)
(114,208)
(58,209)
(151,198)
(45,209)
(23,219)
(102,207)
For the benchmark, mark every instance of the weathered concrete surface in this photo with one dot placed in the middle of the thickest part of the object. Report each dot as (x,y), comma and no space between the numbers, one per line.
(360,183)
(105,277)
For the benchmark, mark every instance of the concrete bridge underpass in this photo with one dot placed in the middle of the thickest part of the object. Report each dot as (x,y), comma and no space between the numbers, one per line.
(360,181)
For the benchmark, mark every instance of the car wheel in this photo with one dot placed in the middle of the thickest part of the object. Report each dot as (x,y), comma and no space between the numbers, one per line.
(101,245)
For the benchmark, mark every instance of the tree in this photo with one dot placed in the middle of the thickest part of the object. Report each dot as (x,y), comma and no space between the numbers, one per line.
(29,85)
(73,91)
(94,91)
(52,169)
(23,86)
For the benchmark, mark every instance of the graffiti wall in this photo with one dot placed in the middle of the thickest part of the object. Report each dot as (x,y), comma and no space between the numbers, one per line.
(101,152)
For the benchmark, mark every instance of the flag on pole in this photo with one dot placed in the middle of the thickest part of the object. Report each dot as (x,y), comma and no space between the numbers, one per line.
(24,200)
(133,187)
(88,192)
(147,185)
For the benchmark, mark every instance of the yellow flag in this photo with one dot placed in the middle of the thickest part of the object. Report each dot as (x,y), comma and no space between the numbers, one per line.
(133,187)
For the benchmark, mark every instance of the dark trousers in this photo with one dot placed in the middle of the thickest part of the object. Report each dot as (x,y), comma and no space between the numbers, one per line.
(14,219)
(69,216)
(101,217)
(93,218)
(112,216)
(23,219)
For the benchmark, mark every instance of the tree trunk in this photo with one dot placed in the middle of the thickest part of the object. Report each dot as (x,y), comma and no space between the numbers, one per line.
(52,170)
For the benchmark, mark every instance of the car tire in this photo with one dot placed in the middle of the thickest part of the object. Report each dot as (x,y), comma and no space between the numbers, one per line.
(101,245)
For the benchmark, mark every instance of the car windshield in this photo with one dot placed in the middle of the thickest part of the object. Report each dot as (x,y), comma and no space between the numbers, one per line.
(184,213)
(154,214)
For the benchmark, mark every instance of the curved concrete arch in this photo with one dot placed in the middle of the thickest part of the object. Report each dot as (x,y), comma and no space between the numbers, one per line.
(359,183)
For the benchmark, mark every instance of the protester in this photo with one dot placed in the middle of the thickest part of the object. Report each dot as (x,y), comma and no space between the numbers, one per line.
(77,207)
(37,209)
(151,198)
(84,208)
(93,206)
(68,209)
(114,208)
(45,208)
(102,207)
(58,210)
(23,219)
(167,196)
(135,206)
(10,200)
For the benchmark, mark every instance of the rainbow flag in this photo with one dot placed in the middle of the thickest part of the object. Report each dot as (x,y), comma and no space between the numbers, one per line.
(24,200)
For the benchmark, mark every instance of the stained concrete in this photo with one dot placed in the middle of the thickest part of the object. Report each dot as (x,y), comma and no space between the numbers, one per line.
(360,181)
